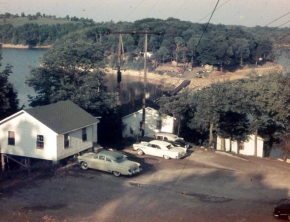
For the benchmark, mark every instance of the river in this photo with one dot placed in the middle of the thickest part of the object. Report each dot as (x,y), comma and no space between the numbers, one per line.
(23,60)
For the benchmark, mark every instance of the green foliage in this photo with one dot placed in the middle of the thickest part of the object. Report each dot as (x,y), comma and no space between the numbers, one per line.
(233,125)
(176,106)
(72,70)
(8,95)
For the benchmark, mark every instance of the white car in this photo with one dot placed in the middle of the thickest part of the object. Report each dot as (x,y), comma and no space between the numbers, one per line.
(170,137)
(160,148)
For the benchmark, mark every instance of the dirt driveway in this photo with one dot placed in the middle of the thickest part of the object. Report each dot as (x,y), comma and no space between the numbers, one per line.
(205,186)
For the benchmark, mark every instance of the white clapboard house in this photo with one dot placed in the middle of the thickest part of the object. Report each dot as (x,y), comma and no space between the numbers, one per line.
(154,122)
(51,132)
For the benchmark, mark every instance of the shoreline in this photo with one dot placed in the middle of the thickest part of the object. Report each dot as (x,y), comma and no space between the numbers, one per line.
(11,46)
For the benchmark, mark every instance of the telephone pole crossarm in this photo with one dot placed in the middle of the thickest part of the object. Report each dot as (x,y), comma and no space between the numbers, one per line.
(134,32)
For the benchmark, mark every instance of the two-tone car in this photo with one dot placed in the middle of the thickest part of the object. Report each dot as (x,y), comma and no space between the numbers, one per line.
(160,148)
(109,161)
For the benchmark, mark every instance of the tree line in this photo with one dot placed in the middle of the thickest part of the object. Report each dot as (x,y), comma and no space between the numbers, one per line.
(180,40)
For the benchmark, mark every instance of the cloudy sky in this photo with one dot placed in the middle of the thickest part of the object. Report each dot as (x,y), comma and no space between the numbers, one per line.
(229,12)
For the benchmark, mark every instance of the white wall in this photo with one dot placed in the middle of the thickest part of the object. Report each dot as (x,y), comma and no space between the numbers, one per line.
(76,143)
(249,146)
(26,129)
(151,117)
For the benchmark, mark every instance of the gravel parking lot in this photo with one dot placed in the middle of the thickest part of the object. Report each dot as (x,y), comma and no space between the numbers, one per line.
(205,186)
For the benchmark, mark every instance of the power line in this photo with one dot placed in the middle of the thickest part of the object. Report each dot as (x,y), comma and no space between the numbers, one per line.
(156,1)
(134,9)
(278,19)
(283,24)
(210,13)
(179,8)
(207,24)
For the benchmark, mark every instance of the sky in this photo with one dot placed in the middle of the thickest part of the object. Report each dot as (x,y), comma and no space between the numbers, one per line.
(250,13)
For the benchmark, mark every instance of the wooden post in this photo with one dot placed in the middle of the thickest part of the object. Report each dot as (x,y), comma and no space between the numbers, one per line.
(144,87)
(2,162)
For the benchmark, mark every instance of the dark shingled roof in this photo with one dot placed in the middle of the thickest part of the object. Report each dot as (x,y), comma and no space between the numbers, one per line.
(62,117)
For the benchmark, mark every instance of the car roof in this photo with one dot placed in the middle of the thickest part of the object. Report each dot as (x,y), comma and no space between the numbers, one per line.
(167,134)
(110,154)
(159,142)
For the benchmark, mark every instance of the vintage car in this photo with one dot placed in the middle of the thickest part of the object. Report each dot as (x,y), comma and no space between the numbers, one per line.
(172,138)
(160,148)
(282,208)
(109,161)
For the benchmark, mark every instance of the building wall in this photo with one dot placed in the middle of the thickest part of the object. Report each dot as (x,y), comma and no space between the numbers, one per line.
(248,149)
(26,129)
(76,144)
(132,123)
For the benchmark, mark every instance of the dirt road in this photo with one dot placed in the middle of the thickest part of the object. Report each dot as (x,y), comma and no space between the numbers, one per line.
(205,186)
(173,78)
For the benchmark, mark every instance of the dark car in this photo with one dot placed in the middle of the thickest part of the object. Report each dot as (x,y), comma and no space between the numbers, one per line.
(180,143)
(282,208)
(172,138)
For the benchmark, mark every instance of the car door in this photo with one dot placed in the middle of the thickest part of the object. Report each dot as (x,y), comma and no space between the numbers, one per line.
(110,166)
(150,149)
(100,162)
(158,151)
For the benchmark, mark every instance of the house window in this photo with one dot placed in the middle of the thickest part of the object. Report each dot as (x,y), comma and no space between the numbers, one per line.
(39,142)
(11,138)
(66,140)
(84,134)
(158,124)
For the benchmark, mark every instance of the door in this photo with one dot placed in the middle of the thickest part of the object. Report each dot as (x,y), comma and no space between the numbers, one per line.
(150,149)
(99,163)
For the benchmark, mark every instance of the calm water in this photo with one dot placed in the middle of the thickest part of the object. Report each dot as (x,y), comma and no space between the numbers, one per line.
(24,59)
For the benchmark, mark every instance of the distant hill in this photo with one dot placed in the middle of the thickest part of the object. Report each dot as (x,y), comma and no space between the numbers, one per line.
(40,21)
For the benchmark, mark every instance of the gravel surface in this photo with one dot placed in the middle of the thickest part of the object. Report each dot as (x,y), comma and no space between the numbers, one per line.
(205,186)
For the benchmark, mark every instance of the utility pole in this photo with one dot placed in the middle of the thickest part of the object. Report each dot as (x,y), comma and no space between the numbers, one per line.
(142,125)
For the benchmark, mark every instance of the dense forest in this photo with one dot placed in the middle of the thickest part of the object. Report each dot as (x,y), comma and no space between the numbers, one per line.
(182,41)
(231,109)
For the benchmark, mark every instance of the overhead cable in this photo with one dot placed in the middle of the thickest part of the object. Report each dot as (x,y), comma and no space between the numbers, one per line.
(207,24)
(283,24)
(210,13)
(278,19)
(134,9)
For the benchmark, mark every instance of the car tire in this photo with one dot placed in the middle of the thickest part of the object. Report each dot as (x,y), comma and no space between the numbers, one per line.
(84,165)
(166,157)
(116,173)
(140,152)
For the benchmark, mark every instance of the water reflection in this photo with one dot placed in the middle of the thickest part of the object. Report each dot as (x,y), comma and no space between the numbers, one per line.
(131,87)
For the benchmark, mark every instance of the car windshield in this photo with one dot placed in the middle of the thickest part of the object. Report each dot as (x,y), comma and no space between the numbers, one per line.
(120,159)
(169,146)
